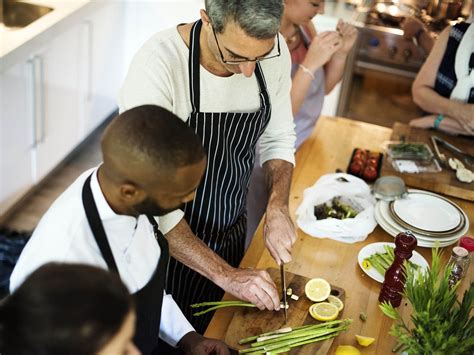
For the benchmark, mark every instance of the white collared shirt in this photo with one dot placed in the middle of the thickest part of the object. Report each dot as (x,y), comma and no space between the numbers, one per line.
(64,235)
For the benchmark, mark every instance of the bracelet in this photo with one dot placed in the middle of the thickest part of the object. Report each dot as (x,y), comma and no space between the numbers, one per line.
(438,120)
(307,71)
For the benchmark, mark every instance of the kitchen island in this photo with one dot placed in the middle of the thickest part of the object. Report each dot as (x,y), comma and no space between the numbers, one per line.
(329,148)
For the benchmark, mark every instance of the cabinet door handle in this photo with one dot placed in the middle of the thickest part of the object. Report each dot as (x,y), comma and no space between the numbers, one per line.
(89,28)
(33,100)
(39,61)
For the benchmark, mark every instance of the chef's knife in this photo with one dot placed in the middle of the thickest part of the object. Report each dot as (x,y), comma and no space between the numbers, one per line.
(283,290)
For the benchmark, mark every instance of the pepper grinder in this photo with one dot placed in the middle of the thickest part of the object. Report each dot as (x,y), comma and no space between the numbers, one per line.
(394,281)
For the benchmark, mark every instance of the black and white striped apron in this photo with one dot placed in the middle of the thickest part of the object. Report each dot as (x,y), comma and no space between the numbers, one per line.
(217,214)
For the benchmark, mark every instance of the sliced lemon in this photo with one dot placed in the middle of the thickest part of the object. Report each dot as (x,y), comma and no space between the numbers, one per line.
(323,311)
(317,290)
(336,301)
(347,350)
(366,264)
(364,341)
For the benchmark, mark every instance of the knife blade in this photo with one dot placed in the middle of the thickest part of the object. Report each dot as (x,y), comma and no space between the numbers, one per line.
(283,290)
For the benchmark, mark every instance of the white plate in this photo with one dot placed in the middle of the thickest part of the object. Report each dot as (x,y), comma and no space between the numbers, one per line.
(385,211)
(427,211)
(394,231)
(373,248)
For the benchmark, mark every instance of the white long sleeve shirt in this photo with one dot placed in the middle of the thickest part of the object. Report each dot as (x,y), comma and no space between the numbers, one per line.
(64,235)
(158,75)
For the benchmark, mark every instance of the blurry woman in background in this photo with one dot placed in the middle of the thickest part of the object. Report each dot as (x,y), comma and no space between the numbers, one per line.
(318,62)
(68,309)
(444,87)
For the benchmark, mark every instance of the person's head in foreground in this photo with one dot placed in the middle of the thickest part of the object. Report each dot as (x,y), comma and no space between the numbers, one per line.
(68,309)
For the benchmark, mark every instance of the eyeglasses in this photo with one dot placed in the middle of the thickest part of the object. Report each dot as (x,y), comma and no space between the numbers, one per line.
(244,60)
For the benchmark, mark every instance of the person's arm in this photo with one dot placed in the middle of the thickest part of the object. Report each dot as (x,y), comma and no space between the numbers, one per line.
(414,28)
(429,100)
(319,53)
(277,146)
(195,344)
(447,125)
(255,286)
(279,231)
(174,325)
(334,68)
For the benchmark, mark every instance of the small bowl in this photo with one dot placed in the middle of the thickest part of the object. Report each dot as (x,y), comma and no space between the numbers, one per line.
(389,188)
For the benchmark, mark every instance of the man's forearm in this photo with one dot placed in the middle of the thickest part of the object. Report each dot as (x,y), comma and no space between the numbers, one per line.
(278,174)
(192,252)
(254,286)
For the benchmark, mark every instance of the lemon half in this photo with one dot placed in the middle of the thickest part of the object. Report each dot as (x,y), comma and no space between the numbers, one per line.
(317,290)
(323,311)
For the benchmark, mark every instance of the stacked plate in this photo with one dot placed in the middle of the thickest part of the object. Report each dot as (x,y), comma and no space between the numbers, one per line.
(429,216)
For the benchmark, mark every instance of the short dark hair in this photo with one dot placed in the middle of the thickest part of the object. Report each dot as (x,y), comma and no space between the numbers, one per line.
(152,134)
(258,18)
(63,309)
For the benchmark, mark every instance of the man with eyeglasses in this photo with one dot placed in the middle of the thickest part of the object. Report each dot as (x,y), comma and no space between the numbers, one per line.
(228,76)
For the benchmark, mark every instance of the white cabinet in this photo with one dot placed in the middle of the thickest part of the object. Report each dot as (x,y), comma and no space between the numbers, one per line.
(55,100)
(64,86)
(102,60)
(16,134)
(39,123)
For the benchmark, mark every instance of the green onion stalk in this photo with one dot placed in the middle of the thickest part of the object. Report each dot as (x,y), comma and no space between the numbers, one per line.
(219,304)
(277,342)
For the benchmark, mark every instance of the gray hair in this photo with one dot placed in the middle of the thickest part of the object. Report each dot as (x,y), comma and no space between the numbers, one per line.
(258,18)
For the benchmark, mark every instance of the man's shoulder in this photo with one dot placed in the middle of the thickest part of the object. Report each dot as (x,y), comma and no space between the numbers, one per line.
(280,66)
(163,46)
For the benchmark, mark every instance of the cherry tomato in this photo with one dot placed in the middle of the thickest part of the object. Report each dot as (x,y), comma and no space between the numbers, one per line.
(356,167)
(370,173)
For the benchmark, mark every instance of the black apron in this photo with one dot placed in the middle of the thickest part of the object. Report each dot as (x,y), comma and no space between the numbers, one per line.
(149,299)
(217,214)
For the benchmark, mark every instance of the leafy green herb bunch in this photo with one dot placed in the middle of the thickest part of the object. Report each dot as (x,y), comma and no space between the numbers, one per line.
(441,324)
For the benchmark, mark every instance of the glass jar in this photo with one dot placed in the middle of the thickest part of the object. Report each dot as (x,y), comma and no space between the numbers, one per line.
(459,261)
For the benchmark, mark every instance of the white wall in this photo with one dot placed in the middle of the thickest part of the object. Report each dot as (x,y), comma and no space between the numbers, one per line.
(146,17)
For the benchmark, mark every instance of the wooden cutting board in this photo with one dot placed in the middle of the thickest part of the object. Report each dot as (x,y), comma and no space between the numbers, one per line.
(444,182)
(248,322)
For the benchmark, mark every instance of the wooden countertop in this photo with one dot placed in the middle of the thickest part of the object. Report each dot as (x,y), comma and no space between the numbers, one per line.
(330,147)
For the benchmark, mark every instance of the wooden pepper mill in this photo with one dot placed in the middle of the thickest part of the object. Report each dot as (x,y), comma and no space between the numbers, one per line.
(394,281)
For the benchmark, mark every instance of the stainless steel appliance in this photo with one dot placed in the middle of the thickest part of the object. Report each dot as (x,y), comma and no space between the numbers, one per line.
(380,72)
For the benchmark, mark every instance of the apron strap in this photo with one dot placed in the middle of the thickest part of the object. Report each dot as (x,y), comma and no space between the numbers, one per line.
(163,243)
(262,84)
(96,226)
(149,299)
(194,66)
